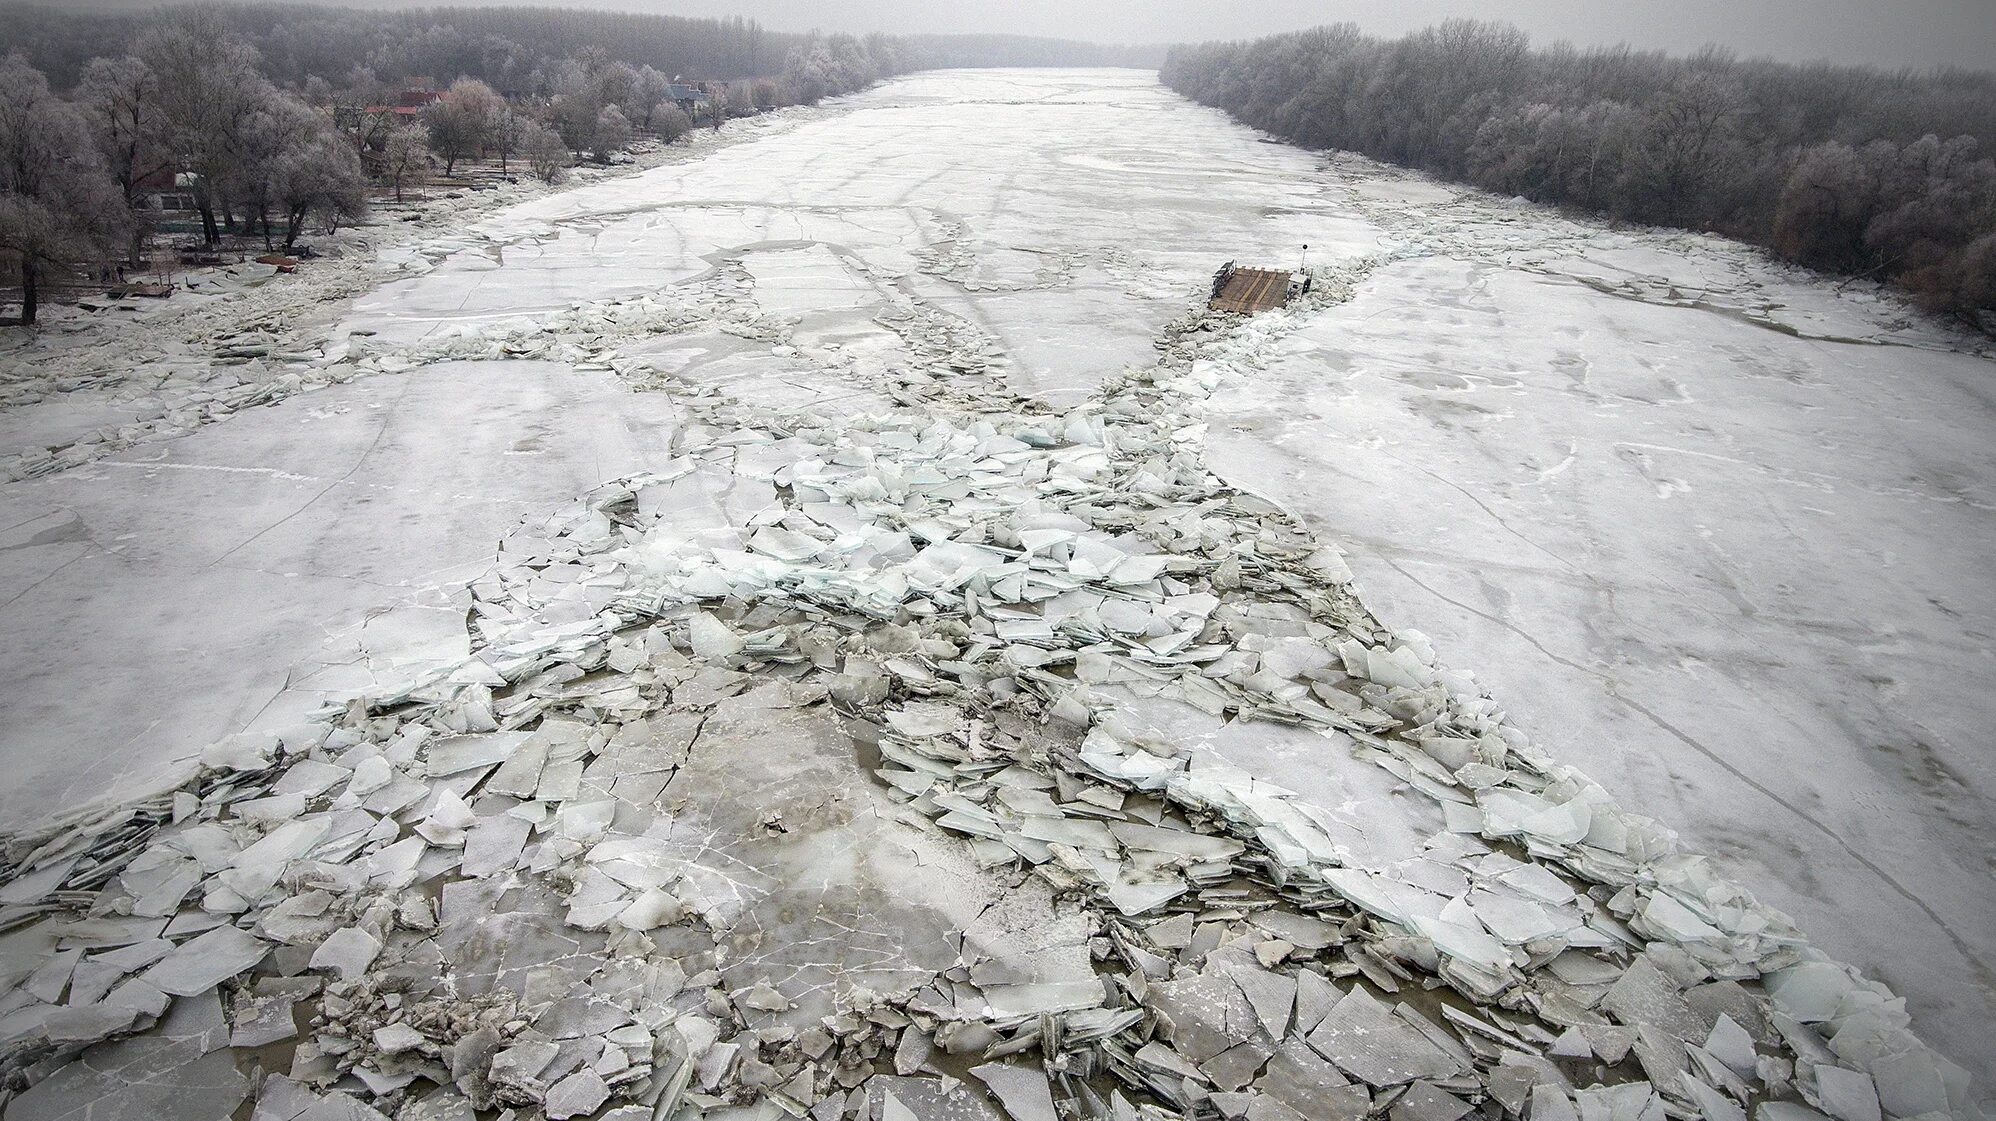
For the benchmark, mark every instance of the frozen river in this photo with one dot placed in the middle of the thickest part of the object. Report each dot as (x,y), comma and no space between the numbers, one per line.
(1715,533)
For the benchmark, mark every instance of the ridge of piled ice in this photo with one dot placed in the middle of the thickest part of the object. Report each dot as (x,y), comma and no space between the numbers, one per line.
(977,587)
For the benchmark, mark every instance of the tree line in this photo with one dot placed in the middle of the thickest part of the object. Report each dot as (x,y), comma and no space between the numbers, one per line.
(512,49)
(267,145)
(1846,169)
(509,48)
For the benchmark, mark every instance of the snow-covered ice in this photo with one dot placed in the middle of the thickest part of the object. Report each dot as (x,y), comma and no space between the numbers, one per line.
(1718,536)
(1707,529)
(173,593)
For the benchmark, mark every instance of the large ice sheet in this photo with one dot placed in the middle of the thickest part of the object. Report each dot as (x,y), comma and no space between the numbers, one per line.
(1742,577)
(1070,222)
(175,593)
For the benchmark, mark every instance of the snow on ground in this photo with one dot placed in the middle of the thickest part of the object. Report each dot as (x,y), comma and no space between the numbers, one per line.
(991,250)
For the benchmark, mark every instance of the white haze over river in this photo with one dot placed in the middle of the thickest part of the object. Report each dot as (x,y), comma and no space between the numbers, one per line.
(1717,533)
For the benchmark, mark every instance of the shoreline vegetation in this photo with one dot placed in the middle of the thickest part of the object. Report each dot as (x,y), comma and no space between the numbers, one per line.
(280,120)
(277,121)
(1845,169)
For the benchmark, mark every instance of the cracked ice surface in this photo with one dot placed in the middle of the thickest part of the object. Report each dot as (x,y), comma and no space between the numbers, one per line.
(170,594)
(1501,393)
(1743,577)
(614,851)
(1072,254)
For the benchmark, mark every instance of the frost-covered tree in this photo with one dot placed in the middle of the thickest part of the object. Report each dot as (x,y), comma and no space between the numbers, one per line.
(319,177)
(121,99)
(544,151)
(505,134)
(612,133)
(1836,167)
(406,159)
(505,45)
(277,127)
(671,122)
(653,93)
(461,121)
(616,83)
(573,113)
(58,205)
(210,90)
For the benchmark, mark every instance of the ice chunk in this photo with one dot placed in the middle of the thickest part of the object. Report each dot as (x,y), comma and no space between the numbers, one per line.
(349,951)
(1810,992)
(448,821)
(1550,1103)
(581,1093)
(396,1038)
(1366,1042)
(1786,1111)
(1645,995)
(257,868)
(456,754)
(1024,1093)
(1846,1095)
(1272,994)
(181,1068)
(494,844)
(1910,1083)
(264,1016)
(206,961)
(1037,999)
(1714,1105)
(1730,1044)
(713,639)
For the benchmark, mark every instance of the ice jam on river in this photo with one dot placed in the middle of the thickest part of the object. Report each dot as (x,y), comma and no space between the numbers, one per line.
(832,628)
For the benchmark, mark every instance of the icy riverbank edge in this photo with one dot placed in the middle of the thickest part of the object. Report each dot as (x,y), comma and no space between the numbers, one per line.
(242,336)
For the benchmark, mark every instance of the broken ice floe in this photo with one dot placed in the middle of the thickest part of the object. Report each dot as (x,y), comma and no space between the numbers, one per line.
(622,861)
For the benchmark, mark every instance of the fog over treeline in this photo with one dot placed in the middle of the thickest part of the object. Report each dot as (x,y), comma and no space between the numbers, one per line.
(262,107)
(1843,168)
(510,48)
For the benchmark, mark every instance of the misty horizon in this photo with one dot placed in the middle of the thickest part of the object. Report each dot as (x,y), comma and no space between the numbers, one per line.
(737,560)
(1915,34)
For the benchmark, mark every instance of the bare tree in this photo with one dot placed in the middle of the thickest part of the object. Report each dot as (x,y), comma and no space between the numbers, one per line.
(58,206)
(406,158)
(544,150)
(320,176)
(613,132)
(671,123)
(121,99)
(210,88)
(460,122)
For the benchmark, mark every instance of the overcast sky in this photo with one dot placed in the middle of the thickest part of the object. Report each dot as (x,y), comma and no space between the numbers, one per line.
(1887,32)
(1882,32)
